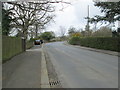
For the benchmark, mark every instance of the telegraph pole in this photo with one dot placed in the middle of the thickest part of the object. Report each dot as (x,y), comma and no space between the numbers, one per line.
(88,18)
(88,27)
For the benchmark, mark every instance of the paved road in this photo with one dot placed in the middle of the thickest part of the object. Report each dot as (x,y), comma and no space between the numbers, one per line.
(24,70)
(80,68)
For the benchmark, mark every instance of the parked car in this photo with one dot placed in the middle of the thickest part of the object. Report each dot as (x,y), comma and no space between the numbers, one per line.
(37,42)
(41,41)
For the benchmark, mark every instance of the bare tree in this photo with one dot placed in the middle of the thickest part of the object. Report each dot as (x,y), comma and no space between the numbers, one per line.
(25,14)
(62,31)
(37,13)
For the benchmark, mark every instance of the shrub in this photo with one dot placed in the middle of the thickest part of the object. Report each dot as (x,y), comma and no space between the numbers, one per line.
(74,40)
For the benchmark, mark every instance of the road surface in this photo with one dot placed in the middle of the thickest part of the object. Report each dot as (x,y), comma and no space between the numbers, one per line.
(80,68)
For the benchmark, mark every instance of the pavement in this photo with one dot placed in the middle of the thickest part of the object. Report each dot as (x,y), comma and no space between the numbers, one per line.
(82,68)
(24,70)
(44,71)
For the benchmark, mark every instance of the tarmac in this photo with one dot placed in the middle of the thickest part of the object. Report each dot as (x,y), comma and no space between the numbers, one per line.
(30,69)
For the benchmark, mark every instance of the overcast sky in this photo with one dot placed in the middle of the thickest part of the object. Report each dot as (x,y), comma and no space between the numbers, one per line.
(73,15)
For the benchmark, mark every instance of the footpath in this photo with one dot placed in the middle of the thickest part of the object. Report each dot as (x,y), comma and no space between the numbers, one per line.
(27,70)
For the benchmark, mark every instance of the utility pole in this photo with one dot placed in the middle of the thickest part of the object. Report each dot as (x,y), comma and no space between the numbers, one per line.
(88,27)
(88,18)
(95,28)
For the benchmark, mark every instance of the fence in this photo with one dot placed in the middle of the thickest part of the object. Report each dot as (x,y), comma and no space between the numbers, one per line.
(10,47)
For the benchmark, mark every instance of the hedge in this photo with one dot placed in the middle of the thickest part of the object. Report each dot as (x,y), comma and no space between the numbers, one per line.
(11,46)
(74,40)
(106,43)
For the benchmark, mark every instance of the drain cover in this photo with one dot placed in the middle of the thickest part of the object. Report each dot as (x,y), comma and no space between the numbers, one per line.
(54,83)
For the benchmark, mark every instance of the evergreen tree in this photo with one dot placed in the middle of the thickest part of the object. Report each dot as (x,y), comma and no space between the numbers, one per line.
(111,10)
(6,19)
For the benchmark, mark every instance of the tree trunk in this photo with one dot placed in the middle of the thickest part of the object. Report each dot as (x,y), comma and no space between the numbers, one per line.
(25,38)
(36,31)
